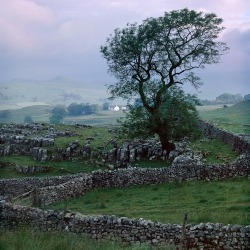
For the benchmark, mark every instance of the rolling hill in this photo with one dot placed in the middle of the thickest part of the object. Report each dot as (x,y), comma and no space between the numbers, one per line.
(17,94)
(235,118)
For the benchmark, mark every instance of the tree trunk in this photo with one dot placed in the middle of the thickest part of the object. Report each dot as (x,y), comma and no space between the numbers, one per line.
(166,144)
(160,127)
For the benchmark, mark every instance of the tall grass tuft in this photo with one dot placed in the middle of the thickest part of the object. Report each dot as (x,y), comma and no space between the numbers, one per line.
(27,239)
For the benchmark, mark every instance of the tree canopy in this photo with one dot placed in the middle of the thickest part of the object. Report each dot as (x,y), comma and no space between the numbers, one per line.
(229,98)
(149,58)
(58,113)
(75,109)
(178,114)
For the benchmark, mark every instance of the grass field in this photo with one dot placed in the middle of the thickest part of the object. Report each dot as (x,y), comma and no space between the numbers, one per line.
(27,239)
(101,118)
(225,202)
(235,118)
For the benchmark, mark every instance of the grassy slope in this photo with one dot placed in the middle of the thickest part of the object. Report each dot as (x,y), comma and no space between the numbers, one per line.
(231,118)
(53,92)
(38,113)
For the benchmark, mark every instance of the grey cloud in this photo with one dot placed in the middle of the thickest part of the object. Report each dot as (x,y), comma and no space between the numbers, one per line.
(66,37)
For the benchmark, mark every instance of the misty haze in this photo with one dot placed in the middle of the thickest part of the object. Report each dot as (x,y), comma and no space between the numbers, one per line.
(124,124)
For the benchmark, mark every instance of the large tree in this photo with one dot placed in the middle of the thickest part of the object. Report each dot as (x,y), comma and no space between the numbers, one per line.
(150,58)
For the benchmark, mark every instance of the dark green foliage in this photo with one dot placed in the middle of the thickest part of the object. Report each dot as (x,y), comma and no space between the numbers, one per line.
(59,110)
(75,109)
(89,109)
(177,115)
(57,114)
(150,58)
(55,119)
(136,124)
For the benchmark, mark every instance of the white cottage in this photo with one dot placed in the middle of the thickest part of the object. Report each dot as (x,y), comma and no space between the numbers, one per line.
(116,108)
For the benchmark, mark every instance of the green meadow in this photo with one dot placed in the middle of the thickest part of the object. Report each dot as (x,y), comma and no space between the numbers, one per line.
(226,202)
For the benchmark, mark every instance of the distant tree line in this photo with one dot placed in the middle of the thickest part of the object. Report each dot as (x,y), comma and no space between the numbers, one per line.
(226,98)
(74,109)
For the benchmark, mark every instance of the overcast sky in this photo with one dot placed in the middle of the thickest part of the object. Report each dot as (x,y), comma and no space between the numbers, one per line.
(44,39)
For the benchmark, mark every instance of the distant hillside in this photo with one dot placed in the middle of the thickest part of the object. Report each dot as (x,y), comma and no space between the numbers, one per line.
(241,106)
(22,93)
(232,117)
(38,113)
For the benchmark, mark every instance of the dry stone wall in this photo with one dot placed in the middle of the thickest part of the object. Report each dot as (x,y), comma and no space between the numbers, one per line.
(131,231)
(29,139)
(73,188)
(60,188)
(142,176)
(145,176)
(238,143)
(16,187)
